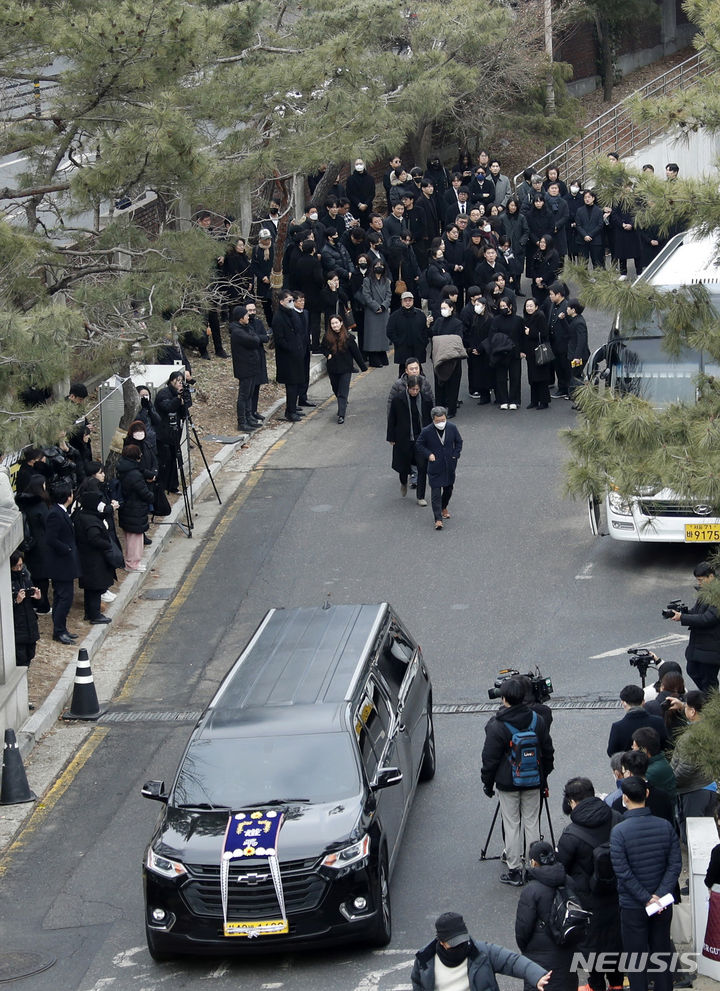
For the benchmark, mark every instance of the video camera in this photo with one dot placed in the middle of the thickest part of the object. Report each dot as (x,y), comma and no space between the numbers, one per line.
(677,605)
(542,688)
(642,658)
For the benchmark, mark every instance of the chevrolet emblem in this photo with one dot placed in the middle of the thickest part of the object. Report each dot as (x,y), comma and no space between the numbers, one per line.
(252,878)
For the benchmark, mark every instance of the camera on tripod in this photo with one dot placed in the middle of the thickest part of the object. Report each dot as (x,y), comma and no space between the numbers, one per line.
(677,605)
(642,658)
(542,688)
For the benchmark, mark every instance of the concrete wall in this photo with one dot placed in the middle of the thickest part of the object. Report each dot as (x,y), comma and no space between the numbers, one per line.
(697,155)
(13,680)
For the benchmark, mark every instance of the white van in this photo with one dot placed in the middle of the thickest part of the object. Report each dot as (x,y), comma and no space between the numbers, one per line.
(636,364)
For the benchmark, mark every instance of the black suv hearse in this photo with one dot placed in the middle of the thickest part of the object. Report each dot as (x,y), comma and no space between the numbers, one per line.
(324,724)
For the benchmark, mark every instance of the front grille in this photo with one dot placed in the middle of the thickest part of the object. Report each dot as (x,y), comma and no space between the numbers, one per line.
(303,893)
(208,872)
(651,507)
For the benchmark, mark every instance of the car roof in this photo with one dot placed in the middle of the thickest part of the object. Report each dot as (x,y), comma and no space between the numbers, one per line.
(305,657)
(687,259)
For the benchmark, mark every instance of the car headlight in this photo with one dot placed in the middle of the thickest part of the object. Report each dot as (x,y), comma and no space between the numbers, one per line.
(164,866)
(348,855)
(618,504)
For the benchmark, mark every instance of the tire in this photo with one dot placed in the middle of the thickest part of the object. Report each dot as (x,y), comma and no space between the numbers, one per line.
(382,929)
(429,763)
(154,948)
(597,514)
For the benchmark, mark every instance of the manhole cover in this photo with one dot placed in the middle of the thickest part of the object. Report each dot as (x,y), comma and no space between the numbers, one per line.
(15,965)
(151,716)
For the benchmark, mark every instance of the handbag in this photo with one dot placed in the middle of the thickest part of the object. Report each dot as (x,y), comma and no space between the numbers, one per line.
(543,353)
(400,286)
(161,506)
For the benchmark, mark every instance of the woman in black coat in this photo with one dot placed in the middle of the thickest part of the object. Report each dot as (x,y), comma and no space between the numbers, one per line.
(94,544)
(135,507)
(578,351)
(532,934)
(34,503)
(409,412)
(24,594)
(148,458)
(546,263)
(540,377)
(437,276)
(261,267)
(475,332)
(626,239)
(237,274)
(340,349)
(539,222)
(291,345)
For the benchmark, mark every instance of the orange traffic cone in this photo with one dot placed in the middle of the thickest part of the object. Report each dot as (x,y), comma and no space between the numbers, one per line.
(84,703)
(15,788)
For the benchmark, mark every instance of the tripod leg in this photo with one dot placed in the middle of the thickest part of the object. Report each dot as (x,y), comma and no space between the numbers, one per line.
(544,805)
(483,852)
(184,490)
(207,467)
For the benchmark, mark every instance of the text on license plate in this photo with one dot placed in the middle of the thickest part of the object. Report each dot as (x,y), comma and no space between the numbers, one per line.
(709,534)
(269,927)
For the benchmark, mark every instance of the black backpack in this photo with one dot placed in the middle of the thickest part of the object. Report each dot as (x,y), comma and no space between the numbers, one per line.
(568,922)
(602,881)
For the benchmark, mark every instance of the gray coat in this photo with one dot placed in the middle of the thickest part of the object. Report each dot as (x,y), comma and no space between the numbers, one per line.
(484,961)
(376,293)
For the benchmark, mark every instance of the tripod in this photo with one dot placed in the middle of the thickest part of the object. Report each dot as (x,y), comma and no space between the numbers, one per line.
(543,805)
(187,526)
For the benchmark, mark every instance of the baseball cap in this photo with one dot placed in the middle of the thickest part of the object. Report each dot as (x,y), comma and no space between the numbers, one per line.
(406,295)
(451,929)
(264,233)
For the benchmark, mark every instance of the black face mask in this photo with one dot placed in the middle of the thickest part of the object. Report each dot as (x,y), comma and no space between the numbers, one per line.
(453,957)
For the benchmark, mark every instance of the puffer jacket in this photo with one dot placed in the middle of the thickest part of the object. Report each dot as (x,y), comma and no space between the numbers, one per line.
(645,856)
(531,932)
(137,497)
(496,771)
(485,960)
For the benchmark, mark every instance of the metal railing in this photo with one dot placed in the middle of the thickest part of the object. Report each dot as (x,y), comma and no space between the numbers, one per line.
(616,130)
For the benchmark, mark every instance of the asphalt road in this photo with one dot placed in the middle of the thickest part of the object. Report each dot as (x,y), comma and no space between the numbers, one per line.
(515,579)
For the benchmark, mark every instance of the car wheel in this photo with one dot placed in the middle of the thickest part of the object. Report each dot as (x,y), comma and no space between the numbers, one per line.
(382,931)
(597,514)
(427,768)
(155,947)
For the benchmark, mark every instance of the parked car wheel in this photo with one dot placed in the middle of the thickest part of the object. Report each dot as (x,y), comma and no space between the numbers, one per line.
(427,768)
(156,952)
(382,932)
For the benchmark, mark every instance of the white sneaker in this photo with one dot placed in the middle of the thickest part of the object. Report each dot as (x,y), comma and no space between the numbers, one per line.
(422,502)
(108,596)
(140,567)
(513,406)
(623,278)
(504,406)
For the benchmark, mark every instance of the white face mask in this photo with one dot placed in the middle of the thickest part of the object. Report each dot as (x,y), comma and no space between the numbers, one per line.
(445,311)
(359,166)
(101,507)
(312,216)
(486,227)
(479,308)
(574,190)
(440,424)
(138,436)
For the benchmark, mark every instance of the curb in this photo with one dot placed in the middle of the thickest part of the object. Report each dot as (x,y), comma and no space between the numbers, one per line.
(46,715)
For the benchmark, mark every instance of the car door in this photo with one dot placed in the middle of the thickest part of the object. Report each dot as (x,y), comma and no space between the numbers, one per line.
(402,670)
(377,731)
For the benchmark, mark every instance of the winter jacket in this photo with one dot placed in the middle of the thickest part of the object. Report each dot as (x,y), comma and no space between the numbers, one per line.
(577,339)
(560,215)
(93,541)
(407,330)
(245,349)
(485,960)
(704,625)
(63,563)
(400,427)
(621,731)
(260,331)
(137,497)
(35,511)
(441,471)
(588,223)
(531,932)
(400,385)
(291,345)
(515,226)
(496,771)
(24,616)
(167,403)
(658,801)
(591,822)
(341,362)
(646,857)
(335,258)
(660,774)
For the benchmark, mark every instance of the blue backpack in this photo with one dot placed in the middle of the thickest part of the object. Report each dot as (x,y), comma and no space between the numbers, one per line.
(524,755)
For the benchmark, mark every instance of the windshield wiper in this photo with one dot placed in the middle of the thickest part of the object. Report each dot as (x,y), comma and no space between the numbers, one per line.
(203,806)
(276,801)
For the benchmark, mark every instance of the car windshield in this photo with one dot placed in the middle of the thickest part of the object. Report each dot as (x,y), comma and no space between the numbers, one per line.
(642,368)
(238,773)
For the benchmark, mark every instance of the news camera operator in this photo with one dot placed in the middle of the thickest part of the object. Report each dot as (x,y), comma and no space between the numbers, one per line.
(703,620)
(519,788)
(171,403)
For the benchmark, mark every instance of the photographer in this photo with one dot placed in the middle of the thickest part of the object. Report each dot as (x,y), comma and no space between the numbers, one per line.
(519,788)
(171,406)
(703,650)
(24,619)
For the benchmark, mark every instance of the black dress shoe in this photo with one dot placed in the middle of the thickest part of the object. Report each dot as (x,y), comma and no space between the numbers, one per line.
(307,402)
(247,426)
(299,412)
(221,354)
(73,636)
(206,356)
(146,540)
(100,621)
(63,638)
(293,418)
(259,417)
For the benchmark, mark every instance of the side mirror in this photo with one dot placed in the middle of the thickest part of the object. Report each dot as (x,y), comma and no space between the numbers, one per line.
(387,776)
(155,790)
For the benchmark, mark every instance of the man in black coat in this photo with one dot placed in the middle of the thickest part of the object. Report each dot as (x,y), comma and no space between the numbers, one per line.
(555,310)
(703,650)
(407,330)
(290,347)
(519,806)
(245,350)
(591,821)
(360,188)
(260,331)
(63,562)
(621,731)
(440,444)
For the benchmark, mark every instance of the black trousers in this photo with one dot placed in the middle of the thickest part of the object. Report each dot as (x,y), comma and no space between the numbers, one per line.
(24,653)
(562,373)
(213,319)
(340,385)
(446,393)
(539,393)
(480,377)
(421,465)
(63,592)
(167,466)
(315,329)
(255,398)
(92,602)
(439,499)
(244,400)
(705,676)
(302,394)
(643,933)
(291,398)
(507,382)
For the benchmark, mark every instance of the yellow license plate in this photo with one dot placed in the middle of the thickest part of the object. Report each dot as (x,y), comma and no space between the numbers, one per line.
(703,534)
(270,927)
